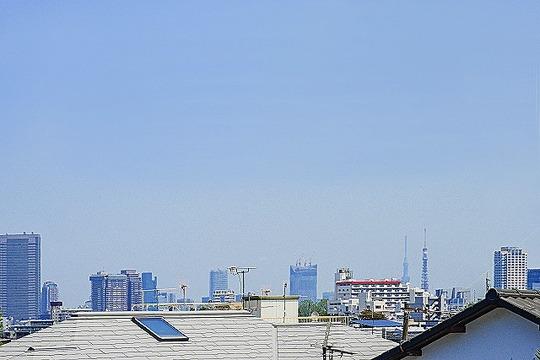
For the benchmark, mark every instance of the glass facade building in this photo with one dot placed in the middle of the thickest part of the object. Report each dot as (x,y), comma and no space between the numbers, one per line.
(533,279)
(98,284)
(20,275)
(49,292)
(303,281)
(109,292)
(218,280)
(149,286)
(134,290)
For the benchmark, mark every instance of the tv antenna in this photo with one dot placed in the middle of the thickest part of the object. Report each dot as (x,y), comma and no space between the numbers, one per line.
(241,272)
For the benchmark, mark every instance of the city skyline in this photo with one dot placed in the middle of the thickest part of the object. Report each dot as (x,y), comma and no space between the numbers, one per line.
(148,281)
(135,138)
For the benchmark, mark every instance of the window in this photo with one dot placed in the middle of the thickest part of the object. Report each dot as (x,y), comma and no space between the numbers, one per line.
(160,329)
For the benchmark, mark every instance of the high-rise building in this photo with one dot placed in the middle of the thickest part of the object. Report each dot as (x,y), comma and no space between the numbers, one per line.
(149,286)
(20,275)
(303,280)
(116,293)
(98,284)
(109,292)
(218,280)
(533,279)
(510,268)
(134,295)
(405,278)
(49,292)
(425,270)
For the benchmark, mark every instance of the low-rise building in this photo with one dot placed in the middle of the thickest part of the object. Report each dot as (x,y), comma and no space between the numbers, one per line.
(382,295)
(223,296)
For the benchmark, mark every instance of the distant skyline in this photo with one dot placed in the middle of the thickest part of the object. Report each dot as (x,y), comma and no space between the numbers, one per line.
(180,137)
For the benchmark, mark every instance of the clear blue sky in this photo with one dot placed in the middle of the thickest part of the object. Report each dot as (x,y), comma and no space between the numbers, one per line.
(181,136)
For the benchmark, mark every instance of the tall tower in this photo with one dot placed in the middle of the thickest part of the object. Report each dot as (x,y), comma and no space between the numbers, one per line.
(405,278)
(425,271)
(20,275)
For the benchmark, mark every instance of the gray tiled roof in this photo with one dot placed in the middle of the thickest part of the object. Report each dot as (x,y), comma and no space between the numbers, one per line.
(212,335)
(528,301)
(304,341)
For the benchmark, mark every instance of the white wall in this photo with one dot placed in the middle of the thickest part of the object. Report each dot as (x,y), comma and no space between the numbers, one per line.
(500,334)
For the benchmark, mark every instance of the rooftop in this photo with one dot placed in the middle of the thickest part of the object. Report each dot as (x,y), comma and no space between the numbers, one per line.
(204,335)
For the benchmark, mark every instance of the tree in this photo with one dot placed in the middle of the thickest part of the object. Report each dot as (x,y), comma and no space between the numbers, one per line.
(367,314)
(308,307)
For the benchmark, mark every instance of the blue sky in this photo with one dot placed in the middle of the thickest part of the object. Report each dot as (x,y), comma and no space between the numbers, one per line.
(182,136)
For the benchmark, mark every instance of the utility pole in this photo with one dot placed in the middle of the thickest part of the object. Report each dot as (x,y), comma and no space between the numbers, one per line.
(405,332)
(184,291)
(284,301)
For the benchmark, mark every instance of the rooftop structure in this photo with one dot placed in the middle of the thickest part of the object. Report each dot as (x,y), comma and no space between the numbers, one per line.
(502,326)
(234,335)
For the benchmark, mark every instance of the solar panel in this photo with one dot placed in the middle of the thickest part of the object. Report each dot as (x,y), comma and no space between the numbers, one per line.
(160,329)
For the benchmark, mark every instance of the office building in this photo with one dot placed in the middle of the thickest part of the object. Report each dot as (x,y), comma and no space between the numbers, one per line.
(20,275)
(134,290)
(510,268)
(303,281)
(533,279)
(116,293)
(109,292)
(49,292)
(98,284)
(149,287)
(218,280)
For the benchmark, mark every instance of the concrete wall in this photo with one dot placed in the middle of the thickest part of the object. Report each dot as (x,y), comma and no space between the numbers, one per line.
(500,334)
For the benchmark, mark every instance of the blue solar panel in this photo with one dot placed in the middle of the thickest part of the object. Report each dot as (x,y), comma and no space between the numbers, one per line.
(160,329)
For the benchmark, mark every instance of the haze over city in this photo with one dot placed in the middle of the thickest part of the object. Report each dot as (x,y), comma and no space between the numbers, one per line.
(136,137)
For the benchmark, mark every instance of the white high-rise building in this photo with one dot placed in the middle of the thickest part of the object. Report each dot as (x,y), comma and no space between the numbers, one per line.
(510,268)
